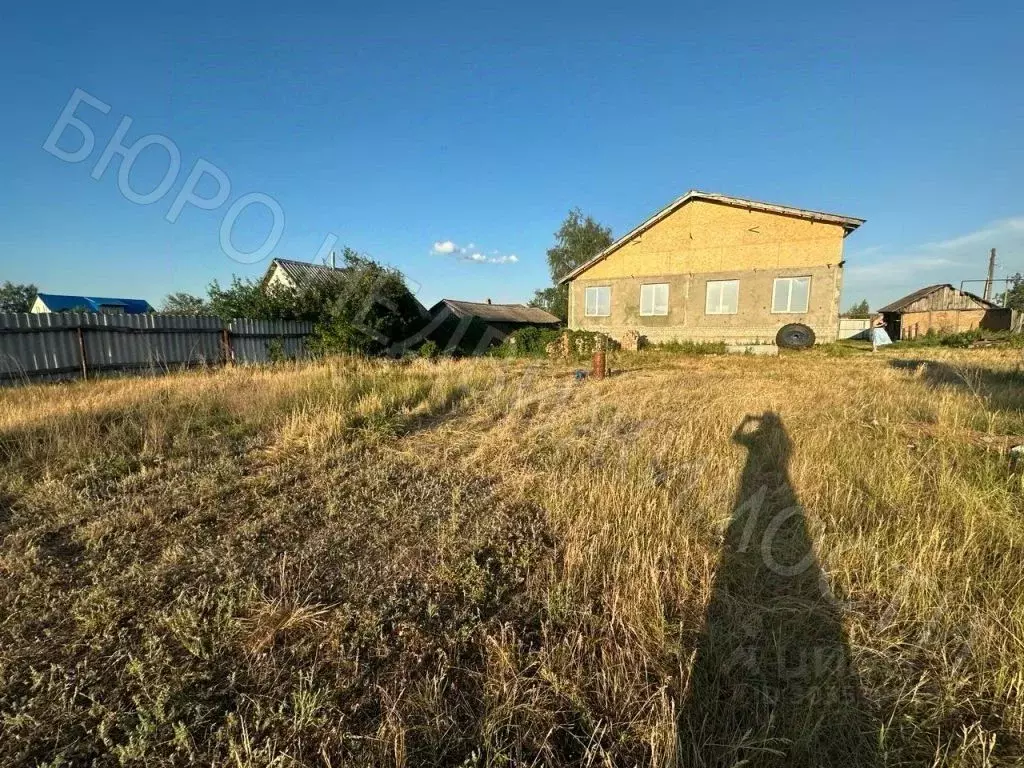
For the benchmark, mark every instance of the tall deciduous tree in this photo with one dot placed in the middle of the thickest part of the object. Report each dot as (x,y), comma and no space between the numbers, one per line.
(578,240)
(1014,297)
(859,310)
(17,297)
(185,304)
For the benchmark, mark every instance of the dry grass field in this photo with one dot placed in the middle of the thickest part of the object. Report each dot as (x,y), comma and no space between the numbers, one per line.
(812,560)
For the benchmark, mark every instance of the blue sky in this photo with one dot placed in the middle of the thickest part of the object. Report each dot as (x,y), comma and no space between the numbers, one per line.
(396,127)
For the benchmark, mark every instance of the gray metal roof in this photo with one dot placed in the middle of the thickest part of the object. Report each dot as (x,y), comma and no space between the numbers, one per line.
(303,273)
(497,313)
(917,295)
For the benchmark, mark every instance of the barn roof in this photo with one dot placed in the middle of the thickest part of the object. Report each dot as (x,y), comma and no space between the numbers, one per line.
(59,302)
(917,295)
(497,313)
(848,223)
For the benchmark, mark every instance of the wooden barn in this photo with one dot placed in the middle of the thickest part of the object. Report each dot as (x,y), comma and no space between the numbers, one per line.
(943,309)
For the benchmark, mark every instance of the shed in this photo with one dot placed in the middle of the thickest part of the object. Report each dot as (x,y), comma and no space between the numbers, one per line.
(472,326)
(942,308)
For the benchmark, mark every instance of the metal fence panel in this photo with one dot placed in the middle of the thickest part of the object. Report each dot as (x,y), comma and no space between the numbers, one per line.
(260,341)
(52,345)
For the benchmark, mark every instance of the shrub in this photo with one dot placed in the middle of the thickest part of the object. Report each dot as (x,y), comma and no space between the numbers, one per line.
(676,346)
(963,339)
(365,309)
(429,349)
(534,342)
(275,351)
(531,342)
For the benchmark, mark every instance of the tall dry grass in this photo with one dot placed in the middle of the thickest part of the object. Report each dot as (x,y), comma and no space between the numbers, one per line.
(698,561)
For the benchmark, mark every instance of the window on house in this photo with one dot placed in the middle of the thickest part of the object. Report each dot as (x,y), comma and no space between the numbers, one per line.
(654,299)
(723,297)
(598,301)
(791,294)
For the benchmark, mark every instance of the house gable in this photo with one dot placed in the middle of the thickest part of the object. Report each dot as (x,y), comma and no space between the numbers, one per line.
(703,236)
(277,276)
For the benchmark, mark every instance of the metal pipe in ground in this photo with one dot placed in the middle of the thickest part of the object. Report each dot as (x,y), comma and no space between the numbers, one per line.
(598,368)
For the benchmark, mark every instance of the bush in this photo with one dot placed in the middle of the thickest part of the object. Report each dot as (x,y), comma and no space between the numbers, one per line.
(366,309)
(678,347)
(275,351)
(963,339)
(534,342)
(429,349)
(531,342)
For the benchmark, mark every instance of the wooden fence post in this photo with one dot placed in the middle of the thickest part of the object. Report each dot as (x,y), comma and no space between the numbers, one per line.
(225,343)
(81,353)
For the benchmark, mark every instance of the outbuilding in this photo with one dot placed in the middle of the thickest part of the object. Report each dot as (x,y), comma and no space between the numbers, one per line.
(472,327)
(942,308)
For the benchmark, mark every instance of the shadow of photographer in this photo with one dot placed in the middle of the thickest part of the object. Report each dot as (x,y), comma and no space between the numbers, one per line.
(772,681)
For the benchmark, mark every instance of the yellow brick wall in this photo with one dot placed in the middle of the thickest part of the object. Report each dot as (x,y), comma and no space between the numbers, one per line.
(914,324)
(710,237)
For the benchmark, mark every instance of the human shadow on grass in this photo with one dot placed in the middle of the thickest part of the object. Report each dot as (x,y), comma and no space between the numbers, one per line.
(1001,389)
(772,682)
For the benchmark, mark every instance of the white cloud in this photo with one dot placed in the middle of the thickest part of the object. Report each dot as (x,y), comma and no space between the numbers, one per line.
(883,273)
(470,253)
(444,247)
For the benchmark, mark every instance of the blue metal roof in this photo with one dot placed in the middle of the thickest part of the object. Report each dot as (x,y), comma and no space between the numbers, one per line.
(57,302)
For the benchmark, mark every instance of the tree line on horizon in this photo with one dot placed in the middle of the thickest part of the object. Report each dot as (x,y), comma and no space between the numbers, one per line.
(579,238)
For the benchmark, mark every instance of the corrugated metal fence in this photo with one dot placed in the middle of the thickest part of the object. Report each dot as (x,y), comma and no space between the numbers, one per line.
(64,344)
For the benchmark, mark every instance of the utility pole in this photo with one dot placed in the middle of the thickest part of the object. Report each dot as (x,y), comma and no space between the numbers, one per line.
(991,274)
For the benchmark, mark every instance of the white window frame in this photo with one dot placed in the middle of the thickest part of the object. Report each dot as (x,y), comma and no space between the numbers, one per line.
(719,308)
(789,310)
(656,309)
(596,304)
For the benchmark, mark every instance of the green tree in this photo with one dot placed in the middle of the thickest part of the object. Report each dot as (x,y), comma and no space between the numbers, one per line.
(185,304)
(1014,296)
(17,297)
(246,298)
(370,310)
(366,307)
(577,241)
(859,310)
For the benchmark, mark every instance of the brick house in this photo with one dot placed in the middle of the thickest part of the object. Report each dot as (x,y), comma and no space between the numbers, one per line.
(716,268)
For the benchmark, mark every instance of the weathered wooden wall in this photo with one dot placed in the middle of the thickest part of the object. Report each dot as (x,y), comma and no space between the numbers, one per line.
(66,344)
(944,299)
